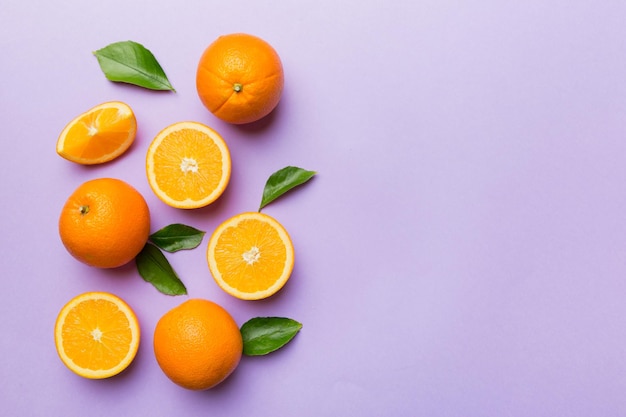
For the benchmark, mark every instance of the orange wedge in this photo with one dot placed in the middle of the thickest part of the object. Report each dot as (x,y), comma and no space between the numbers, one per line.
(250,256)
(188,165)
(99,135)
(96,335)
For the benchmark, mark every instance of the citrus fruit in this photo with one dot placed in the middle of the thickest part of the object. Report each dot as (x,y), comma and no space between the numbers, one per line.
(250,256)
(99,134)
(96,335)
(240,78)
(188,165)
(197,344)
(105,223)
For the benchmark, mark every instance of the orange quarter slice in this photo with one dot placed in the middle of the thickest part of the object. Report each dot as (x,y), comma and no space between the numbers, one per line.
(250,256)
(96,335)
(98,135)
(188,165)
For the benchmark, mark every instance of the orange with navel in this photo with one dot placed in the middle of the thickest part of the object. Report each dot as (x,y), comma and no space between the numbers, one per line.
(105,223)
(240,78)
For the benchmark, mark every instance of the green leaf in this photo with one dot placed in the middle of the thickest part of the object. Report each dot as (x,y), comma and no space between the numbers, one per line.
(262,335)
(177,237)
(130,62)
(155,269)
(282,181)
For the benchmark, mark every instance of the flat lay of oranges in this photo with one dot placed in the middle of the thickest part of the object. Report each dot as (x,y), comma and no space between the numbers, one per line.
(105,223)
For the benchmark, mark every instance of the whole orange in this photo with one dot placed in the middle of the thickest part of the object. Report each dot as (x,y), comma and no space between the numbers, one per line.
(105,223)
(197,344)
(240,78)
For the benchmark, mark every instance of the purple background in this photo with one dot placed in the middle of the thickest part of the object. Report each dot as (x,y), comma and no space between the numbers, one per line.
(462,251)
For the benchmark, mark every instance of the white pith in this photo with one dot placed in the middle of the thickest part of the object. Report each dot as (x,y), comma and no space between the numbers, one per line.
(96,334)
(252,256)
(189,165)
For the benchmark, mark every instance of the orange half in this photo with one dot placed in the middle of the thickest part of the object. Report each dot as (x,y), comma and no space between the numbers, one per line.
(99,135)
(250,256)
(96,335)
(188,165)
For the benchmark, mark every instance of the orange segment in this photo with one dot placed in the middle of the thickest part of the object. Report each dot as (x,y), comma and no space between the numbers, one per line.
(188,165)
(98,135)
(250,256)
(96,335)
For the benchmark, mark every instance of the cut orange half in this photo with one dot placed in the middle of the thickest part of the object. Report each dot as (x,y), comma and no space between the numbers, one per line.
(96,335)
(188,165)
(98,135)
(250,256)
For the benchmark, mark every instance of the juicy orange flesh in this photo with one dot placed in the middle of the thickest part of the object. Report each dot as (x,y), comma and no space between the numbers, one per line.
(250,256)
(96,335)
(98,133)
(188,165)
